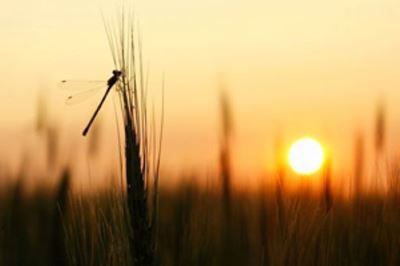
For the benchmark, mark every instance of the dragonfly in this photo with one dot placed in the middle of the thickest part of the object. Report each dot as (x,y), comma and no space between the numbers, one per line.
(116,74)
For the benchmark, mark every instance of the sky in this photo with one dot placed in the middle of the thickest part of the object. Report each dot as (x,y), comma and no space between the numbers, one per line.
(291,68)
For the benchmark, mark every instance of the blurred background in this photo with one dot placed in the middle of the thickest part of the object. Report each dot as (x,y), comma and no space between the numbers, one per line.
(290,68)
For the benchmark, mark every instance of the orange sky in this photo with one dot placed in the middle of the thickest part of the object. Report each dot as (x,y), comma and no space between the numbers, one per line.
(292,67)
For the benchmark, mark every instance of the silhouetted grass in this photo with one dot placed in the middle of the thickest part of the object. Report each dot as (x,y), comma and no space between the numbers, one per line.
(96,229)
(141,171)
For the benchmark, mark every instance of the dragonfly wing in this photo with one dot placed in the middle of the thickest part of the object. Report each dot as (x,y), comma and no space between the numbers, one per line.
(81,85)
(81,96)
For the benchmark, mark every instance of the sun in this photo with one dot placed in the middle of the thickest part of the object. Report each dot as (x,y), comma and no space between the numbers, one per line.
(306,156)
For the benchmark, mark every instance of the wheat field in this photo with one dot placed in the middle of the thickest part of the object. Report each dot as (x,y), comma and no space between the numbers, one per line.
(142,222)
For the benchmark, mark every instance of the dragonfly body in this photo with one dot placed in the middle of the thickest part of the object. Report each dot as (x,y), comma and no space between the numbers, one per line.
(110,83)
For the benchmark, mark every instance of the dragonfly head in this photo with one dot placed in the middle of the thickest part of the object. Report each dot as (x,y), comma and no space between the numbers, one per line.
(117,73)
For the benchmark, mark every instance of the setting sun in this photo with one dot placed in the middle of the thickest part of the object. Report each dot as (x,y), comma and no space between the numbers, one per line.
(306,156)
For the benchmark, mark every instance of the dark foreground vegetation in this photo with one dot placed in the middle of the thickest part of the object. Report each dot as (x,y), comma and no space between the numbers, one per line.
(262,228)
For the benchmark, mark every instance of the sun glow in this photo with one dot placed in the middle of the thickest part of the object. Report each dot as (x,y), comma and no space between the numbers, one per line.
(306,156)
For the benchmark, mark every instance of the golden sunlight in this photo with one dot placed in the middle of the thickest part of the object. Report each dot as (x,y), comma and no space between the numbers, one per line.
(306,156)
